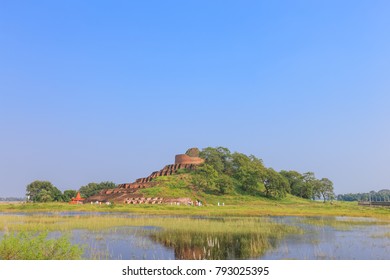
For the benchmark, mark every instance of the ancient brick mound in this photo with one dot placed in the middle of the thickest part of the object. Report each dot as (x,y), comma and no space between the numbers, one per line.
(185,159)
(128,192)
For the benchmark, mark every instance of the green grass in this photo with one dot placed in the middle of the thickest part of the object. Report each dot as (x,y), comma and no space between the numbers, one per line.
(26,245)
(343,224)
(191,238)
(172,187)
(234,206)
(238,238)
(96,223)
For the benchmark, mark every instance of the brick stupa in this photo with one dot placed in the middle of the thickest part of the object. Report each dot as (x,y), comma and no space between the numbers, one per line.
(128,192)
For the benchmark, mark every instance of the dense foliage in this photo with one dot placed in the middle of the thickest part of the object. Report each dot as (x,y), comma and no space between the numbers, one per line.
(226,172)
(94,188)
(382,195)
(36,246)
(307,186)
(44,191)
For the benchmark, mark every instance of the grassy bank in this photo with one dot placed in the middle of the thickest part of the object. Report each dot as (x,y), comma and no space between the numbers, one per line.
(234,206)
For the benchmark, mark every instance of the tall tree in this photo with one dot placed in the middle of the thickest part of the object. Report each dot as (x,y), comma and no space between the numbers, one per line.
(43,191)
(248,172)
(206,178)
(295,181)
(326,189)
(219,158)
(68,195)
(307,190)
(94,188)
(276,185)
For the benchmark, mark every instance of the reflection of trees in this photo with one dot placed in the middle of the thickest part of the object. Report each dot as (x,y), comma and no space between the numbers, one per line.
(189,246)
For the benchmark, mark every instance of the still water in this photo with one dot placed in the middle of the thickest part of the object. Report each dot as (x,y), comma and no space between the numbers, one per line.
(321,238)
(315,238)
(363,239)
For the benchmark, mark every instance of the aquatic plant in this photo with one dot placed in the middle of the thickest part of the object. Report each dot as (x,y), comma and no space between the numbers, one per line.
(36,246)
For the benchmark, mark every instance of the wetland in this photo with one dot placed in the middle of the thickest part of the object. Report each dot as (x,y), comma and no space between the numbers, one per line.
(110,235)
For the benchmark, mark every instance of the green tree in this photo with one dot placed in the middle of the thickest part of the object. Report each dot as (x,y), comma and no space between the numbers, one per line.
(295,181)
(225,184)
(307,190)
(248,172)
(206,179)
(326,189)
(57,194)
(276,185)
(219,158)
(45,196)
(68,195)
(43,191)
(94,188)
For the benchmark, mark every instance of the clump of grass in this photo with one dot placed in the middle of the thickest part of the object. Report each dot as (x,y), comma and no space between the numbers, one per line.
(227,238)
(342,223)
(36,246)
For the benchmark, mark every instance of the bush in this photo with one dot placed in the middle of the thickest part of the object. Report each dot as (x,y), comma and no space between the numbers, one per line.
(36,246)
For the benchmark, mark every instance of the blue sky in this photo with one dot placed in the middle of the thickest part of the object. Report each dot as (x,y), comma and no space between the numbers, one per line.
(112,90)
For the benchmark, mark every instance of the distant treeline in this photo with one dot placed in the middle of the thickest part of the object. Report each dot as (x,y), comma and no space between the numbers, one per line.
(44,191)
(12,198)
(382,195)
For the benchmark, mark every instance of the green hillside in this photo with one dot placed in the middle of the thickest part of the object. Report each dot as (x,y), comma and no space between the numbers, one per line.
(235,174)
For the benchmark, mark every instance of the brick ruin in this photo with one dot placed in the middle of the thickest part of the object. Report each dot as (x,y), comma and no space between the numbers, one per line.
(128,192)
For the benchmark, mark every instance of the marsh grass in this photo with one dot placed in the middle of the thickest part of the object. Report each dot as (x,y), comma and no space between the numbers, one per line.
(96,223)
(36,246)
(191,238)
(382,235)
(235,205)
(342,223)
(224,239)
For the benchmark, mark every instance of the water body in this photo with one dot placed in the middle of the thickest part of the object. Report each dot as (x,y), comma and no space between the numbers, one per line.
(361,240)
(320,238)
(334,238)
(120,244)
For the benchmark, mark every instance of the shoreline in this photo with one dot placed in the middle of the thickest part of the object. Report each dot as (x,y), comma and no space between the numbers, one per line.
(274,208)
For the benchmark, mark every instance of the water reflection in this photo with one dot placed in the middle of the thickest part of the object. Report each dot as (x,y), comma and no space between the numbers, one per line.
(335,238)
(199,246)
(322,238)
(124,243)
(233,238)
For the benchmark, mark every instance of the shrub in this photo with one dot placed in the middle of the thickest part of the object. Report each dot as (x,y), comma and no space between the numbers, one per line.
(36,246)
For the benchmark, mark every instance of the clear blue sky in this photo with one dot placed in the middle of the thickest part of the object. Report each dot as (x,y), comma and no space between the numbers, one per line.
(96,91)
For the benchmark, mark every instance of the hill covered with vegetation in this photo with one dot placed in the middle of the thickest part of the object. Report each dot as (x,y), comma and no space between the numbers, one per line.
(223,173)
(228,174)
